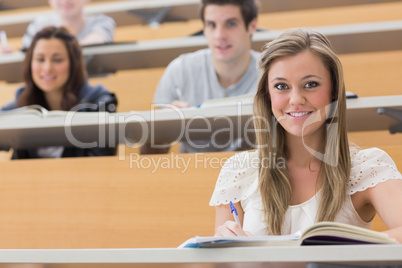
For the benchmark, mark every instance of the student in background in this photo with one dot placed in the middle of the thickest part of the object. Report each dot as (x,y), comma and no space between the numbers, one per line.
(55,78)
(226,68)
(305,171)
(89,29)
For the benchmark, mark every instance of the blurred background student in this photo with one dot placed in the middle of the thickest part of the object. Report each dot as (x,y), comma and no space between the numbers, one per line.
(227,68)
(55,78)
(89,29)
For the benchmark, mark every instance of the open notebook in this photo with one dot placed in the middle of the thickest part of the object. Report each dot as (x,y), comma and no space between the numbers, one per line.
(322,233)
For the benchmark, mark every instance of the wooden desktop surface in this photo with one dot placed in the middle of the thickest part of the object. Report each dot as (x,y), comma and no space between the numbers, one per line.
(250,257)
(104,202)
(137,12)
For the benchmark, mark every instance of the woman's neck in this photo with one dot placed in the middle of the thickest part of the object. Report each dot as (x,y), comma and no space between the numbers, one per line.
(300,151)
(303,167)
(54,100)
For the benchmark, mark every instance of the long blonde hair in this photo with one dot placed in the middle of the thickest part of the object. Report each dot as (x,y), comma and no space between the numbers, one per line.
(335,169)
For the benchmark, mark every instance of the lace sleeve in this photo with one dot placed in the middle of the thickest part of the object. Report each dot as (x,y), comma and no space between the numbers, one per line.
(369,168)
(237,180)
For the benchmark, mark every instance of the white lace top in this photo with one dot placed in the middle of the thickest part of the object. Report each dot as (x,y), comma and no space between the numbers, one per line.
(238,181)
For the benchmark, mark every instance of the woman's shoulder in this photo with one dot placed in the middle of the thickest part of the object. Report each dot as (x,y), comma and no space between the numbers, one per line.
(369,168)
(97,94)
(238,178)
(13,104)
(90,93)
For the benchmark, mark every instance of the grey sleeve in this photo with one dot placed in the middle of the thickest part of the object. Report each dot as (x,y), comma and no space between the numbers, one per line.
(35,26)
(166,90)
(103,25)
(32,29)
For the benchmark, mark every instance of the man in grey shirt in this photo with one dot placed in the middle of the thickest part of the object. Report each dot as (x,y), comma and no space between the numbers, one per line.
(227,68)
(89,29)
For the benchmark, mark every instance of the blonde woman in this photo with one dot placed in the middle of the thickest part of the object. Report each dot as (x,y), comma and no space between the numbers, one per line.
(303,170)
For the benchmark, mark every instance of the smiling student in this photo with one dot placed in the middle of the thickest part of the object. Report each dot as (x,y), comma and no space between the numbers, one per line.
(226,68)
(55,78)
(301,106)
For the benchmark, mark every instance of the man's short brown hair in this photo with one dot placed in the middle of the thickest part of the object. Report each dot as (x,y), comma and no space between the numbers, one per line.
(248,8)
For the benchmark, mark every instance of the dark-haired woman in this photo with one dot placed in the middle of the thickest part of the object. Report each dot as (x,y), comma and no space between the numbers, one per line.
(55,78)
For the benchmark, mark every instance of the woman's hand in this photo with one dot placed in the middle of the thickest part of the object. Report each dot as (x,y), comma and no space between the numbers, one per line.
(231,228)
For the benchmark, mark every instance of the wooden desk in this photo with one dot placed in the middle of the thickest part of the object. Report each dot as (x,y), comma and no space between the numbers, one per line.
(159,11)
(102,59)
(110,202)
(252,257)
(219,123)
(107,202)
(266,5)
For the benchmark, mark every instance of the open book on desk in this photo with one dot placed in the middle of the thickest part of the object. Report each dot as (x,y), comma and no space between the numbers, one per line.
(34,126)
(32,110)
(322,233)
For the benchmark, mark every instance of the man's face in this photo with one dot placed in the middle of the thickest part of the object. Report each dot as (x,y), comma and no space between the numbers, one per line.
(225,30)
(68,9)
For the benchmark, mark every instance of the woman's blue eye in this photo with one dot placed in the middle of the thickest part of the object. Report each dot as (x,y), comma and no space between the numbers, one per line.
(281,86)
(311,84)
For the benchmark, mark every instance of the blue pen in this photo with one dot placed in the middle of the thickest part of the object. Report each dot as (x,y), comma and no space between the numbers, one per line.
(234,212)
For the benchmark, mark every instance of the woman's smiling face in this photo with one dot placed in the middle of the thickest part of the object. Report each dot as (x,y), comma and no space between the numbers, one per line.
(300,89)
(50,65)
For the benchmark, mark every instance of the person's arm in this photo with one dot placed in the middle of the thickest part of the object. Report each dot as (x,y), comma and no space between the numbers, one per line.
(231,186)
(166,96)
(377,186)
(171,86)
(100,29)
(93,38)
(30,32)
(225,224)
(386,198)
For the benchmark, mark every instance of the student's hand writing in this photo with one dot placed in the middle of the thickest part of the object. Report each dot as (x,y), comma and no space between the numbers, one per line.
(180,104)
(6,49)
(231,228)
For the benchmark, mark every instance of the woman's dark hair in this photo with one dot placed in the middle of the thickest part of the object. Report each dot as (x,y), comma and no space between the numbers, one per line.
(248,8)
(77,73)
